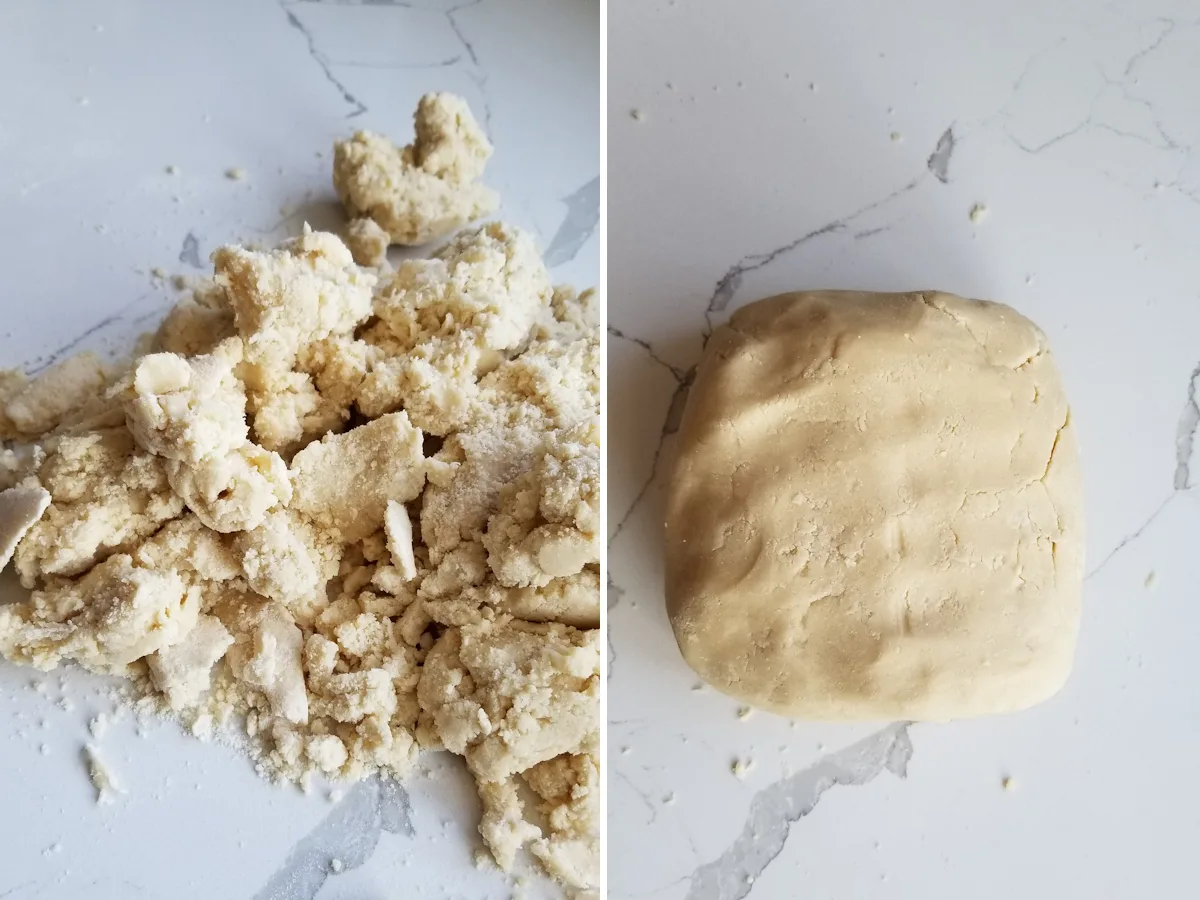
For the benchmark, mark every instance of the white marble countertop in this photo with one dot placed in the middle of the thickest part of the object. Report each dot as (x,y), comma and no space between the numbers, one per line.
(100,98)
(821,144)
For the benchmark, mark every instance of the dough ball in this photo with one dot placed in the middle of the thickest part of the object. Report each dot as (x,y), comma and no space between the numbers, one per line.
(875,511)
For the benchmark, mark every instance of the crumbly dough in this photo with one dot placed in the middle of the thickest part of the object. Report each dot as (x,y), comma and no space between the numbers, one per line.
(344,481)
(532,693)
(41,404)
(186,409)
(447,321)
(548,522)
(182,671)
(425,190)
(106,495)
(367,242)
(349,517)
(876,510)
(197,323)
(284,302)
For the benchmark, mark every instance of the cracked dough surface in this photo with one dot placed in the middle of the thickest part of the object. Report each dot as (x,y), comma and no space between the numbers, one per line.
(876,509)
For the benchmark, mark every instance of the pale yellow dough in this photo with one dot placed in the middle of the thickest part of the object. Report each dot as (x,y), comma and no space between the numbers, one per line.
(350,513)
(423,191)
(876,510)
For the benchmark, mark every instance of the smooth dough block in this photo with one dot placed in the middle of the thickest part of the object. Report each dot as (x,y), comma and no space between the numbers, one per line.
(876,510)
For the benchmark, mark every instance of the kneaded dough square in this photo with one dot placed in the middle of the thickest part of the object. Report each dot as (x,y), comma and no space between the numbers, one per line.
(876,510)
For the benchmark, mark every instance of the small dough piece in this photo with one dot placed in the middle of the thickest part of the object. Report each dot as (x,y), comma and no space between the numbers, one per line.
(398,526)
(876,510)
(197,323)
(549,518)
(196,552)
(233,491)
(20,509)
(106,494)
(503,825)
(187,409)
(570,317)
(309,290)
(106,784)
(445,322)
(569,786)
(574,600)
(46,400)
(284,558)
(12,382)
(368,242)
(114,615)
(285,299)
(182,670)
(508,695)
(271,662)
(423,191)
(345,481)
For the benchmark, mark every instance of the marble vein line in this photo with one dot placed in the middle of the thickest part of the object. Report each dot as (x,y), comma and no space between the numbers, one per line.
(1169,26)
(727,286)
(320,60)
(583,215)
(670,426)
(189,254)
(349,833)
(40,363)
(939,160)
(1185,448)
(1130,538)
(671,422)
(615,593)
(777,807)
(1185,437)
(458,32)
(476,71)
(677,373)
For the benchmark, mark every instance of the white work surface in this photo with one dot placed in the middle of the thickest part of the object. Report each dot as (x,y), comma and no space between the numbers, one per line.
(761,159)
(99,99)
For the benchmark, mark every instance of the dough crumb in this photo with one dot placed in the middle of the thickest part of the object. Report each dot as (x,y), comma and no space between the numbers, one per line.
(637,115)
(1150,582)
(741,767)
(1009,783)
(101,776)
(978,213)
(235,174)
(744,712)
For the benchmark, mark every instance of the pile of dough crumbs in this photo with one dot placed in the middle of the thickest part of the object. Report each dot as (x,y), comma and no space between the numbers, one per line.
(350,510)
